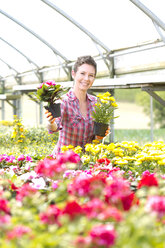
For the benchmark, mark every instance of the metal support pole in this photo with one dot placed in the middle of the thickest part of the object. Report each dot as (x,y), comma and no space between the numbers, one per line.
(40,113)
(3,102)
(112,128)
(3,109)
(151,117)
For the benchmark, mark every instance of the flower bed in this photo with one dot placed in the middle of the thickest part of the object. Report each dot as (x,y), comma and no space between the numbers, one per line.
(110,196)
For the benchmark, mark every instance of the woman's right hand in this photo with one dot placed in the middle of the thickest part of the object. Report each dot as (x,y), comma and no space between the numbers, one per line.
(49,116)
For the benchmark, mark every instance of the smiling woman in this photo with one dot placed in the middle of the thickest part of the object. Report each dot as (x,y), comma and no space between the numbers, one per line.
(76,125)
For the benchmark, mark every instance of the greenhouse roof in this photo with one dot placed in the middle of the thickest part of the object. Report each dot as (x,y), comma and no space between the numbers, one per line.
(37,35)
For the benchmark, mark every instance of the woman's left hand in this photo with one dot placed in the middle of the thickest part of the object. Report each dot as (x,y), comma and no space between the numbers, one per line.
(106,133)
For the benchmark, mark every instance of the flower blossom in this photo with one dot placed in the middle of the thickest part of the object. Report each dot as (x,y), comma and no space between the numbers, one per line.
(4,206)
(87,185)
(156,204)
(103,236)
(51,215)
(148,179)
(18,232)
(21,157)
(25,190)
(118,192)
(4,219)
(72,209)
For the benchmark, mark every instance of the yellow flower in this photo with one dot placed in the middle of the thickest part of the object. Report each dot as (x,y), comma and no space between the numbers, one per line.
(64,148)
(95,142)
(114,104)
(104,101)
(78,149)
(14,134)
(85,159)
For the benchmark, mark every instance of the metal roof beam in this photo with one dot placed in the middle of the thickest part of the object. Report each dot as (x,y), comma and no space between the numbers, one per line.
(36,35)
(9,66)
(159,32)
(149,13)
(27,58)
(83,29)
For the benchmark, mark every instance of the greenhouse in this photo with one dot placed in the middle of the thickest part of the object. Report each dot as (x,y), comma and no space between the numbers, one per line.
(104,190)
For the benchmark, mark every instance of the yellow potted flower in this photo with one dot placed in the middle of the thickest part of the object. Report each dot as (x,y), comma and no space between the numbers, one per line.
(103,113)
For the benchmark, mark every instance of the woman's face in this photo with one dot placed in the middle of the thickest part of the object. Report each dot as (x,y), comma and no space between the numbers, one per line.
(84,77)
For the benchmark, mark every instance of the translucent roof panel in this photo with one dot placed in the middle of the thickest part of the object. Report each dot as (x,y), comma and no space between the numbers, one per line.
(34,35)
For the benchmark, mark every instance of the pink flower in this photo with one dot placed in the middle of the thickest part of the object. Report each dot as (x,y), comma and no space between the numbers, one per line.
(50,83)
(110,213)
(148,179)
(47,83)
(4,219)
(28,158)
(10,159)
(68,156)
(118,192)
(25,190)
(21,158)
(93,208)
(103,236)
(50,168)
(18,232)
(86,185)
(55,184)
(51,215)
(156,204)
(82,242)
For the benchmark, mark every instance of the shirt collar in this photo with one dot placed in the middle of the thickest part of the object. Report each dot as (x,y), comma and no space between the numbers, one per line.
(72,96)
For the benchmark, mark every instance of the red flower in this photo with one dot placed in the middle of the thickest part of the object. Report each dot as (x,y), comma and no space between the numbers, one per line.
(106,161)
(148,179)
(4,206)
(72,209)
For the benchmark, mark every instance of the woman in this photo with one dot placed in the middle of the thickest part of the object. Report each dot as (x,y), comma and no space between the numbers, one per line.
(75,125)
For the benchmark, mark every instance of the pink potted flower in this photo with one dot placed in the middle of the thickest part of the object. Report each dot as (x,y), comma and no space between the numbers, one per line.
(51,93)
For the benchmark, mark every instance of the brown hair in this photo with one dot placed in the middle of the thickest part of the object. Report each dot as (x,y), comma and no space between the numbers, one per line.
(85,60)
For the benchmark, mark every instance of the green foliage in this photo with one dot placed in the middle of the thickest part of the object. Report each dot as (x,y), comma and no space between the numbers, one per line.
(140,135)
(48,92)
(158,109)
(127,95)
(37,142)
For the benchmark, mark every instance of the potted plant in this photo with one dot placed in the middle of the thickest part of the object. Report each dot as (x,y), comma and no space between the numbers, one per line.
(103,113)
(51,93)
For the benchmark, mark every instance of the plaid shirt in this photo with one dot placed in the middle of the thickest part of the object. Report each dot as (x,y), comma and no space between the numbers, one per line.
(74,129)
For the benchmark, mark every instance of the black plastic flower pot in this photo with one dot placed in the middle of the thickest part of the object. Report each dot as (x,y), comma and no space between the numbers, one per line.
(55,109)
(100,129)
